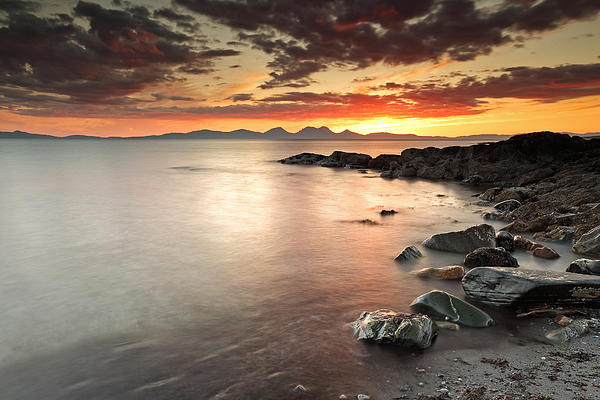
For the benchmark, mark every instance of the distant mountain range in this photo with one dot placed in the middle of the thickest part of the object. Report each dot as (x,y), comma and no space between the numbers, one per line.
(308,133)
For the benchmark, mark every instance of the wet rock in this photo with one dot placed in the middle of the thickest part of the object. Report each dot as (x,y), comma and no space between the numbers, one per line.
(384,213)
(386,174)
(304,159)
(515,193)
(522,243)
(545,252)
(463,241)
(575,328)
(496,216)
(490,257)
(505,240)
(408,254)
(341,159)
(585,266)
(535,176)
(507,205)
(589,243)
(386,326)
(300,389)
(560,233)
(451,272)
(451,326)
(490,194)
(517,226)
(511,287)
(362,397)
(441,305)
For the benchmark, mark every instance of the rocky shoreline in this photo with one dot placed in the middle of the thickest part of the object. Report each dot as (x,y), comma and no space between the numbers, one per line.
(542,184)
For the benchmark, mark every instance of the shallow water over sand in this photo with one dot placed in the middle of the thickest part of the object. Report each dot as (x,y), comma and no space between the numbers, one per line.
(204,269)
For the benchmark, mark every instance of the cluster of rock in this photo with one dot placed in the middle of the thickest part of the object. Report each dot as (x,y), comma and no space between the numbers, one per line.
(544,183)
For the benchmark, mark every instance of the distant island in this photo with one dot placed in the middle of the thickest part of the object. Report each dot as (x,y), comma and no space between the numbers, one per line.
(307,133)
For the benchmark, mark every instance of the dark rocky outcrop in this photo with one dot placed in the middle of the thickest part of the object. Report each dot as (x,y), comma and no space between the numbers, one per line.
(303,159)
(490,257)
(385,213)
(589,243)
(463,241)
(408,254)
(520,287)
(441,305)
(508,205)
(341,159)
(386,326)
(585,266)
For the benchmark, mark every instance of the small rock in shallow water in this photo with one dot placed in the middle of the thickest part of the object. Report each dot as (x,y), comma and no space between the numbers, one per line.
(505,240)
(451,272)
(439,304)
(545,252)
(386,326)
(408,254)
(384,213)
(585,266)
(490,257)
(300,389)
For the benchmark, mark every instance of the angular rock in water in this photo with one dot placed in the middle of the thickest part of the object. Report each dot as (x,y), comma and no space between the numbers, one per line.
(545,252)
(386,326)
(463,241)
(516,287)
(575,328)
(490,194)
(505,240)
(508,205)
(451,272)
(589,243)
(439,304)
(585,266)
(408,254)
(490,257)
(560,233)
(384,213)
(303,159)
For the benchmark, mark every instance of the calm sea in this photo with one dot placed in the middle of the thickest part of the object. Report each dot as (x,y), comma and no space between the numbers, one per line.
(207,270)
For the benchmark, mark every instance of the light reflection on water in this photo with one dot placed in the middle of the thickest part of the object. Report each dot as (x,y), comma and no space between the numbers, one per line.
(204,269)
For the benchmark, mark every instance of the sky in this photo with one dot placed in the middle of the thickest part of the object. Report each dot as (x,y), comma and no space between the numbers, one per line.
(427,67)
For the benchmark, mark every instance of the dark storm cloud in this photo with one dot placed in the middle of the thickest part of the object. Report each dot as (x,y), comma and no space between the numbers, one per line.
(241,97)
(544,84)
(15,6)
(310,36)
(121,53)
(162,96)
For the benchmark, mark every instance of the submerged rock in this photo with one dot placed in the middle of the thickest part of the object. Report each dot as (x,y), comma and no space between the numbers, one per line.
(505,240)
(585,266)
(451,272)
(508,205)
(386,326)
(439,304)
(589,243)
(510,287)
(490,257)
(384,213)
(463,241)
(408,254)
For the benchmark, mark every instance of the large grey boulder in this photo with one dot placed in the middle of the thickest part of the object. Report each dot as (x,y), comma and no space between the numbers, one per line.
(589,243)
(441,305)
(463,241)
(387,326)
(585,266)
(490,257)
(511,287)
(408,254)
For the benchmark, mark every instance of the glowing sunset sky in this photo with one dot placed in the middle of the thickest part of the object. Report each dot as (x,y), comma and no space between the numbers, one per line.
(430,67)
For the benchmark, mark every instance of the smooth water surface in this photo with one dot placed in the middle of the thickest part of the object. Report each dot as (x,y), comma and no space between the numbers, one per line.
(207,270)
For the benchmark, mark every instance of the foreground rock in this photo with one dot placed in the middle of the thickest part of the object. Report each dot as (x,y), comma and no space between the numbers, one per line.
(545,252)
(572,329)
(386,326)
(490,257)
(408,254)
(585,266)
(441,305)
(451,272)
(516,287)
(589,243)
(463,241)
